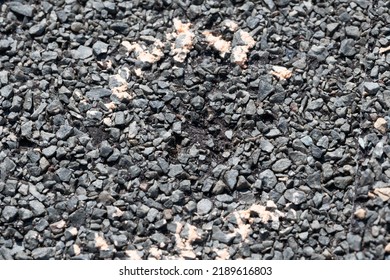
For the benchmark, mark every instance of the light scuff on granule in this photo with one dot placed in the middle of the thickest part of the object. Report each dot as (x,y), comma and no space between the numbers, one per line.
(58,225)
(184,245)
(110,106)
(240,55)
(281,72)
(382,193)
(133,255)
(76,249)
(154,253)
(181,27)
(230,24)
(384,49)
(245,218)
(387,248)
(118,84)
(246,38)
(222,254)
(240,52)
(138,72)
(243,229)
(263,212)
(106,64)
(100,243)
(222,46)
(184,40)
(381,125)
(143,54)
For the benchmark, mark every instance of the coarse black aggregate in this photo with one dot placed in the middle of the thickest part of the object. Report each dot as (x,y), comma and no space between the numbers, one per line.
(105,155)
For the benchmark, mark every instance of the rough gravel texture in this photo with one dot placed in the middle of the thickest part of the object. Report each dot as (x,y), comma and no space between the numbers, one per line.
(185,129)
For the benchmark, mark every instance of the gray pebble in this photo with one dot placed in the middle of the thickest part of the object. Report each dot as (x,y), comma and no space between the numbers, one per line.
(242,183)
(49,151)
(316,152)
(347,47)
(175,170)
(64,132)
(111,212)
(331,27)
(9,213)
(315,105)
(49,56)
(251,108)
(43,253)
(76,26)
(344,17)
(363,3)
(224,198)
(307,140)
(98,93)
(159,238)
(152,215)
(7,90)
(31,239)
(17,103)
(134,171)
(26,129)
(5,44)
(204,206)
(323,142)
(105,149)
(157,105)
(119,240)
(371,87)
(295,196)
(281,165)
(352,31)
(230,178)
(219,187)
(98,213)
(100,48)
(21,9)
(78,218)
(265,88)
(222,237)
(298,158)
(38,29)
(146,89)
(177,197)
(7,165)
(64,174)
(25,214)
(308,251)
(82,52)
(318,52)
(55,107)
(288,253)
(274,132)
(142,211)
(266,145)
(120,27)
(342,182)
(378,150)
(268,179)
(324,240)
(314,180)
(119,118)
(38,111)
(354,241)
(197,102)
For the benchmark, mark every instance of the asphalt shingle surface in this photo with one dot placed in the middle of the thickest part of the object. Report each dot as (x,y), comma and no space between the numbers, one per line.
(194,129)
